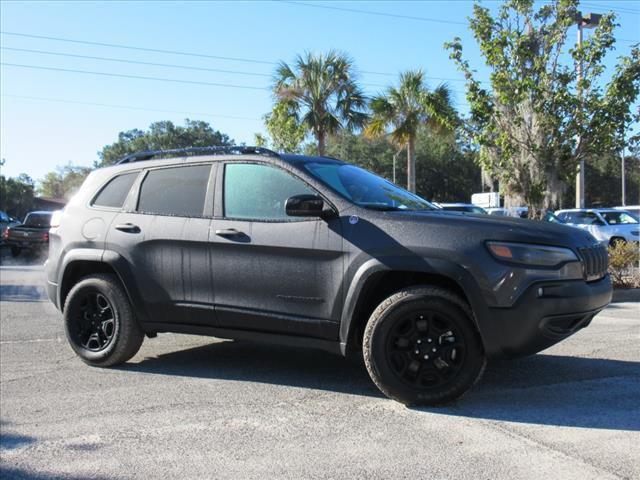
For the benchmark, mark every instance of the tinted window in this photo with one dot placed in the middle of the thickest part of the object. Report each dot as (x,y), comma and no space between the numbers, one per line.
(618,218)
(364,188)
(259,192)
(175,191)
(38,220)
(581,218)
(115,192)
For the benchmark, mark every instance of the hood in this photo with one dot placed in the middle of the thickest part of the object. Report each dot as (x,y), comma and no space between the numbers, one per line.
(488,227)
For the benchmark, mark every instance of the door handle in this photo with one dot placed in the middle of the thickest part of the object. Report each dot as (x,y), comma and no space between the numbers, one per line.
(128,228)
(228,232)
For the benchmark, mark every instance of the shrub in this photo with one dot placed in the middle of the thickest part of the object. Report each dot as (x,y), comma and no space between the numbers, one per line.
(623,264)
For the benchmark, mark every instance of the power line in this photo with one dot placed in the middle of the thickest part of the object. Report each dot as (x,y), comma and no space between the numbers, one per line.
(392,15)
(171,65)
(142,49)
(142,77)
(136,62)
(127,107)
(613,9)
(138,77)
(370,12)
(176,52)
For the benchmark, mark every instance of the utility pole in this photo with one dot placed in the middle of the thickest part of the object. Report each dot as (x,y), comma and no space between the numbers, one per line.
(624,192)
(395,155)
(589,20)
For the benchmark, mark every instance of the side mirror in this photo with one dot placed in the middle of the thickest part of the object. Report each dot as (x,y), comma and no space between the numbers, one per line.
(304,206)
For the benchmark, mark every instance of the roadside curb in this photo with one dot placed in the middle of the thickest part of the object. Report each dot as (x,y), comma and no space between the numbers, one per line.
(621,295)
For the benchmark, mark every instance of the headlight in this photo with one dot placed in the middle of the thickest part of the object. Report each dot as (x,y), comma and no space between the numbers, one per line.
(529,254)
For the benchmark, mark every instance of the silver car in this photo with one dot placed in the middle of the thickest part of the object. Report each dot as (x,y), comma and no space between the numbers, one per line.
(607,225)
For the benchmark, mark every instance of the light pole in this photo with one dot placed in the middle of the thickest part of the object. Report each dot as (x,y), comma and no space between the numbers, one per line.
(624,192)
(590,20)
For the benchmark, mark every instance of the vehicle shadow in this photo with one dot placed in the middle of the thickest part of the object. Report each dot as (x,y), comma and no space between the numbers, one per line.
(543,389)
(19,473)
(23,293)
(28,258)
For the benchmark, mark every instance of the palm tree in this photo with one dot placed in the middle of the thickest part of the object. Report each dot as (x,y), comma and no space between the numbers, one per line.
(407,107)
(323,94)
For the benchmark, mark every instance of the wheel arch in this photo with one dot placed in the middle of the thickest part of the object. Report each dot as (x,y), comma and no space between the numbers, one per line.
(375,281)
(83,263)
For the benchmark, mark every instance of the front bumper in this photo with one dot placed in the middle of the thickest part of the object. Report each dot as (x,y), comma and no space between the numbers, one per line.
(546,313)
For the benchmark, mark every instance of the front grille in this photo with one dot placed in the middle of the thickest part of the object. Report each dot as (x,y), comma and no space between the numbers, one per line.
(595,261)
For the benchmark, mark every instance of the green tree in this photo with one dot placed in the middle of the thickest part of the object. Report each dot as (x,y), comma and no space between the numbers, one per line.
(285,131)
(322,94)
(405,109)
(16,195)
(536,120)
(162,135)
(448,173)
(63,182)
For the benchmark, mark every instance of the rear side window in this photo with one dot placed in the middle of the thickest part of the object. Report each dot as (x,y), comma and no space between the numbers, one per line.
(179,191)
(259,192)
(581,218)
(114,193)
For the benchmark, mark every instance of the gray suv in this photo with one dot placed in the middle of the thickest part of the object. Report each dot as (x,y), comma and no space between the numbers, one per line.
(244,243)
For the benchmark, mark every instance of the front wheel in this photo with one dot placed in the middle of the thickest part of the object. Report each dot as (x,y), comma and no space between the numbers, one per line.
(99,322)
(421,347)
(15,251)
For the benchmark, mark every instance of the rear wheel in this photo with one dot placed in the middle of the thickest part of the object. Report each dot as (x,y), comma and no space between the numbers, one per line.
(422,348)
(15,251)
(99,322)
(615,241)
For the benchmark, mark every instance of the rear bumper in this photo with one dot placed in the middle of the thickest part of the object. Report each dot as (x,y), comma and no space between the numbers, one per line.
(26,244)
(52,293)
(547,313)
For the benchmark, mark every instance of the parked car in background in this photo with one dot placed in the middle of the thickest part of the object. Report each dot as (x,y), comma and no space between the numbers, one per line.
(5,222)
(522,212)
(463,207)
(32,235)
(517,212)
(607,225)
(633,209)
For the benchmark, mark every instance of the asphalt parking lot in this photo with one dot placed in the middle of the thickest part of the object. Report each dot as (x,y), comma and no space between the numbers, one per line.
(194,407)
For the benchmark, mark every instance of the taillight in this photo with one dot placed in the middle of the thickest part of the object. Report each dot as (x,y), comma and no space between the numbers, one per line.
(55,218)
(45,237)
(5,234)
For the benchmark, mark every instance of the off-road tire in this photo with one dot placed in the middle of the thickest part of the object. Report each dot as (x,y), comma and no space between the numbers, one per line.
(127,336)
(396,308)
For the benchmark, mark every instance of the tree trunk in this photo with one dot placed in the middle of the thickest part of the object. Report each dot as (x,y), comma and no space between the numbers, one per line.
(321,137)
(411,165)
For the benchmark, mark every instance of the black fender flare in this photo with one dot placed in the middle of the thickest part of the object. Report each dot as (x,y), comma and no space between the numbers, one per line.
(116,263)
(445,268)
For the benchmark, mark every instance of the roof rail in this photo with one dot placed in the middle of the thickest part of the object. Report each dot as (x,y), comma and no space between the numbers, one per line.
(195,151)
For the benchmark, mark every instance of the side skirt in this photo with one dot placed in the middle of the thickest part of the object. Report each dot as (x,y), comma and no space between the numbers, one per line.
(273,338)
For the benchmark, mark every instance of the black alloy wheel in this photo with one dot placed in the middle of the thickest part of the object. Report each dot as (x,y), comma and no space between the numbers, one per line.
(425,349)
(94,322)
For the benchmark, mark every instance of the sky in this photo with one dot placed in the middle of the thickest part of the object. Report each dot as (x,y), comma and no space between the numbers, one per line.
(49,118)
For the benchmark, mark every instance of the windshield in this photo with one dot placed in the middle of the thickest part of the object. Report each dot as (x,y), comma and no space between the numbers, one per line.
(618,218)
(38,220)
(364,188)
(550,217)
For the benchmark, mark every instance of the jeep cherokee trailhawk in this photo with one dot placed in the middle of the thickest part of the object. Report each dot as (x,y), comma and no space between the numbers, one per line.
(244,243)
